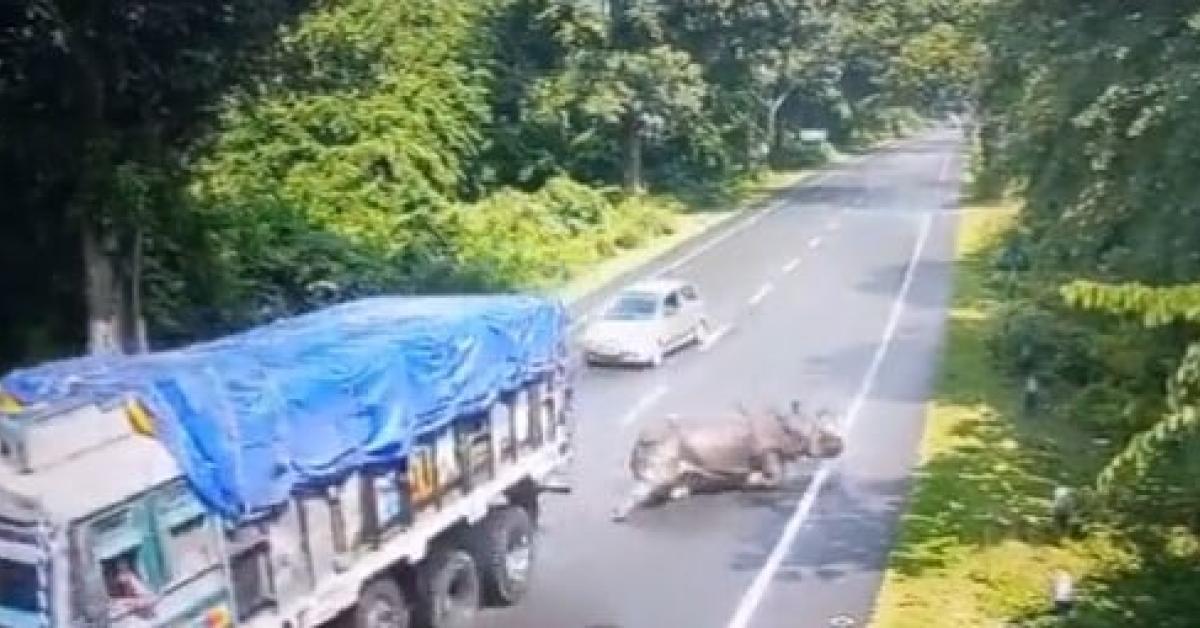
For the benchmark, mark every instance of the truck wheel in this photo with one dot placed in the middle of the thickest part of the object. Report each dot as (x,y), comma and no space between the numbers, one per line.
(503,547)
(450,592)
(381,604)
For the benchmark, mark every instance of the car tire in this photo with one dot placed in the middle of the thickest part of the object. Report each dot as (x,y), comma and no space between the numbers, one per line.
(449,590)
(504,551)
(381,604)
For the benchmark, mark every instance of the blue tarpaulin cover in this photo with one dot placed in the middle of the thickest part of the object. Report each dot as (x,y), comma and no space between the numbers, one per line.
(305,400)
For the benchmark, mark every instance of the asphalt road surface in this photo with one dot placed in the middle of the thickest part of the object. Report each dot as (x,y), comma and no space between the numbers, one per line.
(836,296)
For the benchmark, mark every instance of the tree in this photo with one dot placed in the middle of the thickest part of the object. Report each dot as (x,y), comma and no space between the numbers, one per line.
(767,50)
(1087,108)
(1157,307)
(97,97)
(624,79)
(184,169)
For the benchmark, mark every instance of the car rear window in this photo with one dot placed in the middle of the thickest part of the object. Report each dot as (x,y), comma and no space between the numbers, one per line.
(633,306)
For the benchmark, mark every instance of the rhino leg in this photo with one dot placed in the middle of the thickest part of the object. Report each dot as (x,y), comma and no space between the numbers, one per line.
(771,474)
(639,496)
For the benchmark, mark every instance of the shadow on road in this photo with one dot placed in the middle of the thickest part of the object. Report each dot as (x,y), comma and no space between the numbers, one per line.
(858,527)
(928,292)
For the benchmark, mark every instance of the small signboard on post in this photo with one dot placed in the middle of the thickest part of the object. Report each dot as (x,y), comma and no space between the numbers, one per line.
(814,136)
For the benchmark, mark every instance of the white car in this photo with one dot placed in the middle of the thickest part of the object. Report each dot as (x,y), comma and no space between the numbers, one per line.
(645,322)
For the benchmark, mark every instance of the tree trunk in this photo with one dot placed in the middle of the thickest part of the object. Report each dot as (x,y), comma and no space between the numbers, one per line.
(774,132)
(132,324)
(110,291)
(100,291)
(633,155)
(112,271)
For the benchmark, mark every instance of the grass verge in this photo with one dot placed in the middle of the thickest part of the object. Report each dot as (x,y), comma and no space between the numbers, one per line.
(976,546)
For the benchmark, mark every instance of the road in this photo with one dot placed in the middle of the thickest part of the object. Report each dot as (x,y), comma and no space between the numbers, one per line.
(835,296)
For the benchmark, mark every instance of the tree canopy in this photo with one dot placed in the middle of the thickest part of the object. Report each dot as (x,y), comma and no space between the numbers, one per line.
(184,169)
(1087,112)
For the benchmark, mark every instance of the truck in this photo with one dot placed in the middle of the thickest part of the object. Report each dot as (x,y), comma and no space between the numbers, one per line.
(376,464)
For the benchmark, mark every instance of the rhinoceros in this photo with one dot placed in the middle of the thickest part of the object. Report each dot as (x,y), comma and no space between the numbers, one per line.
(673,459)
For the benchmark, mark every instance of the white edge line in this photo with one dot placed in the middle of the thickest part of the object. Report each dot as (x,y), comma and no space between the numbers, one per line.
(814,243)
(944,174)
(762,293)
(791,265)
(753,595)
(715,337)
(643,404)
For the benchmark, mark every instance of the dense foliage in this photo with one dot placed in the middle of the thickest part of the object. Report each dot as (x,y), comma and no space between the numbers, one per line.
(1089,112)
(178,169)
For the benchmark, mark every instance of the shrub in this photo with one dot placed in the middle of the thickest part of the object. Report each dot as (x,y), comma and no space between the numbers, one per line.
(795,153)
(1030,338)
(515,239)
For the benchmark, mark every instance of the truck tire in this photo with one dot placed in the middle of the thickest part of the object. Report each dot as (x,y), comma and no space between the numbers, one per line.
(381,604)
(504,550)
(449,590)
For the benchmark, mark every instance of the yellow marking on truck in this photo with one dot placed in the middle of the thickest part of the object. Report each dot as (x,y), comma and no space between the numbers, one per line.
(9,403)
(421,474)
(139,418)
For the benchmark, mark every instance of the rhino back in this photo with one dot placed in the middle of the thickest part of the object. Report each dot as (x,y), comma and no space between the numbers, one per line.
(725,447)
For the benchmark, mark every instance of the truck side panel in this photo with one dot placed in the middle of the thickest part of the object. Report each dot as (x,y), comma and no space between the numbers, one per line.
(429,499)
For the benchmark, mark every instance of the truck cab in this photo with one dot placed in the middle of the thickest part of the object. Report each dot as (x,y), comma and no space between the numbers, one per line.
(102,531)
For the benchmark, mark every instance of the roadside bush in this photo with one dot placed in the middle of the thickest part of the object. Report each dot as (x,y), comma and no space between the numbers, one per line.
(637,220)
(1030,338)
(514,239)
(795,153)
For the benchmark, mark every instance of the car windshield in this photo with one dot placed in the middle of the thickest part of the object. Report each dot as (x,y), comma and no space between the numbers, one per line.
(633,306)
(18,586)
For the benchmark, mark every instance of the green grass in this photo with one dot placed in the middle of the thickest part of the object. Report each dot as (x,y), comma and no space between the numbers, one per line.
(976,546)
